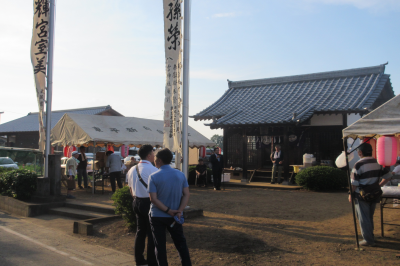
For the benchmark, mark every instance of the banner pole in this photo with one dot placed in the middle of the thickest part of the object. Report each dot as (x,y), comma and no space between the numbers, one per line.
(185,92)
(49,84)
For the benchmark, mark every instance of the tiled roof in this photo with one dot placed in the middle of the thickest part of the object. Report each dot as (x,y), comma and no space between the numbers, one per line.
(296,98)
(31,121)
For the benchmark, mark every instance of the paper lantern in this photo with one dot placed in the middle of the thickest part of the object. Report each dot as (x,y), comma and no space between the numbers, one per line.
(372,142)
(202,152)
(398,145)
(341,159)
(68,150)
(65,151)
(124,150)
(386,150)
(110,147)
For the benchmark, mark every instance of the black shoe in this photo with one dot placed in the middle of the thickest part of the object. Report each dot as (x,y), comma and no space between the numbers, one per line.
(272,182)
(80,187)
(88,187)
(219,188)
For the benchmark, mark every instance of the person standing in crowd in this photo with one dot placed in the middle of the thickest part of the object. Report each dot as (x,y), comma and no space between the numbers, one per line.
(82,168)
(277,160)
(141,204)
(217,163)
(366,172)
(114,165)
(131,162)
(169,195)
(201,172)
(70,172)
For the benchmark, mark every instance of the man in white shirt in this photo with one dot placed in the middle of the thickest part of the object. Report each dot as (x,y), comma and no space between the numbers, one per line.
(141,204)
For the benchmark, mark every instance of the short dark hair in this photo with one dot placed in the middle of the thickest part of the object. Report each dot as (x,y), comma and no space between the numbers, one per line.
(216,148)
(366,149)
(201,160)
(109,152)
(165,155)
(82,148)
(398,161)
(144,151)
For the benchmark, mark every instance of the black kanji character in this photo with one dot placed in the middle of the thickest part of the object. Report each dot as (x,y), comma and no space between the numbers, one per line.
(174,37)
(40,67)
(42,7)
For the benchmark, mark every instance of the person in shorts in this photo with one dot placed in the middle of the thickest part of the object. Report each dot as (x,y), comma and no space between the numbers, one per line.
(70,172)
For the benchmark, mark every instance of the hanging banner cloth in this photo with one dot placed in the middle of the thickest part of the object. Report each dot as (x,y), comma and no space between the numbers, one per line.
(78,129)
(384,120)
(173,64)
(39,48)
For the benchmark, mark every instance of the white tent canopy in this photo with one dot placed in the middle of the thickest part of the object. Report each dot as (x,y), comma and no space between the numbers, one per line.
(78,129)
(384,120)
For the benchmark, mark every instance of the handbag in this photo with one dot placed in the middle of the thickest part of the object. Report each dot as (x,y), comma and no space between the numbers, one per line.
(371,193)
(71,183)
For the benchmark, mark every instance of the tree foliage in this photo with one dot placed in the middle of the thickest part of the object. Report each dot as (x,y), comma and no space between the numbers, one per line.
(219,140)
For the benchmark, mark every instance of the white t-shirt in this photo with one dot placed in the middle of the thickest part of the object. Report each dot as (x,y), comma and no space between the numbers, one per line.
(396,170)
(145,169)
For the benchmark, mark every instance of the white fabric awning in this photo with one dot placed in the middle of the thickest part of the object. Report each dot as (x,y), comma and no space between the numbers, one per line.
(78,129)
(384,120)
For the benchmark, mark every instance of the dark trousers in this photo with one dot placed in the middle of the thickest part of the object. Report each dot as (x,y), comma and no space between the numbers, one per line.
(82,173)
(115,176)
(158,226)
(202,180)
(141,207)
(217,178)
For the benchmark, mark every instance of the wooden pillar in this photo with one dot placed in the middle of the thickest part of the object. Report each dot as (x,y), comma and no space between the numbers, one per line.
(245,155)
(225,148)
(344,120)
(286,153)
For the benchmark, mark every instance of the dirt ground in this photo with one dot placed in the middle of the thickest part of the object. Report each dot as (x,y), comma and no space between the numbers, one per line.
(251,226)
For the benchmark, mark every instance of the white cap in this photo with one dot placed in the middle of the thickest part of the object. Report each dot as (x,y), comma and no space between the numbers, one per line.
(74,152)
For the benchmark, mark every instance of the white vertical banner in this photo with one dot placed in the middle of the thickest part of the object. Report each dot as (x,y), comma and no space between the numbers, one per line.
(173,67)
(39,48)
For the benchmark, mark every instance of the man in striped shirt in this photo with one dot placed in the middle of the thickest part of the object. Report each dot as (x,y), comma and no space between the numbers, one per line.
(366,171)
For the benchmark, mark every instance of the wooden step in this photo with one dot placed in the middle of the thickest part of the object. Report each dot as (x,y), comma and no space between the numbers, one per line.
(77,213)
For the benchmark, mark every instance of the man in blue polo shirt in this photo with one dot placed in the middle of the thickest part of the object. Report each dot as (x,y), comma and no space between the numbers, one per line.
(169,195)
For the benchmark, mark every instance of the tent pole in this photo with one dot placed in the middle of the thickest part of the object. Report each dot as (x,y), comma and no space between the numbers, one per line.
(350,189)
(185,93)
(94,165)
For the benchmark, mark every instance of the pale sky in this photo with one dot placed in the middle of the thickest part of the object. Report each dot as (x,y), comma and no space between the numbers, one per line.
(111,52)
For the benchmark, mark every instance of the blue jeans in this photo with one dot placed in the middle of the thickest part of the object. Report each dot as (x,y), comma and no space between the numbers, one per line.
(365,214)
(82,172)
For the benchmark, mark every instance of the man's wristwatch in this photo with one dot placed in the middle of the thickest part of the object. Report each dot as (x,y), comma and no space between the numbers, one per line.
(167,210)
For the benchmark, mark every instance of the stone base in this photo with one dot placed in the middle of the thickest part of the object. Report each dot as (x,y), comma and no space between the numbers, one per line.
(25,209)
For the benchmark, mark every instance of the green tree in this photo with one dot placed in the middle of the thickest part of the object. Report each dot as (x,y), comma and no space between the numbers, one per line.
(218,140)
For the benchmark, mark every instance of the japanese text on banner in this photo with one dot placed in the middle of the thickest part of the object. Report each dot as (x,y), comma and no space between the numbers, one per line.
(173,68)
(39,48)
